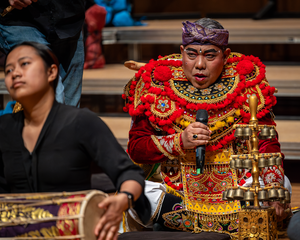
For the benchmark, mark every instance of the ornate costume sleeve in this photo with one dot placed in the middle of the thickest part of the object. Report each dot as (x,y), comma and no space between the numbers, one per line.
(271,175)
(146,146)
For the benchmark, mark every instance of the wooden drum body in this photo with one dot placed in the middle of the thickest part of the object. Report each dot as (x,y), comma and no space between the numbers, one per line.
(67,215)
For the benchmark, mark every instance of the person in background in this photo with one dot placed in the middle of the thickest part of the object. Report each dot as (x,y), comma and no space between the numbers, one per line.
(56,24)
(93,25)
(118,13)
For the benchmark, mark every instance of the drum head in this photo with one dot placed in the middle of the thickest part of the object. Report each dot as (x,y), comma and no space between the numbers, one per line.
(92,214)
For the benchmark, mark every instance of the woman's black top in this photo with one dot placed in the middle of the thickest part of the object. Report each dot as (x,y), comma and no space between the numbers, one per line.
(69,141)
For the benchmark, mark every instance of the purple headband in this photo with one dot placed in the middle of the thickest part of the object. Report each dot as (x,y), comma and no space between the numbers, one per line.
(198,35)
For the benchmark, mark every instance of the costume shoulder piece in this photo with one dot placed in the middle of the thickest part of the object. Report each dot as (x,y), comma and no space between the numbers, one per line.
(161,92)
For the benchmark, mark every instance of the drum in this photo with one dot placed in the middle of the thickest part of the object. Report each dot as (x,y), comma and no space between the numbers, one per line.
(66,215)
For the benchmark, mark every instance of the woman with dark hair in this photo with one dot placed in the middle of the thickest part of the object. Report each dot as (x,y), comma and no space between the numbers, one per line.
(48,147)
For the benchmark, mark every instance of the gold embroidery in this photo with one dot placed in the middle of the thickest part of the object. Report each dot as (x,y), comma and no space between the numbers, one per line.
(177,144)
(138,92)
(220,117)
(209,95)
(127,86)
(197,222)
(261,99)
(217,157)
(189,157)
(209,186)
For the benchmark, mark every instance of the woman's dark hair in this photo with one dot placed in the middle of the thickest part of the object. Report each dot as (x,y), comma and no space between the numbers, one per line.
(45,53)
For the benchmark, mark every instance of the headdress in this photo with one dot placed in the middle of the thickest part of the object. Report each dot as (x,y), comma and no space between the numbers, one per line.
(196,34)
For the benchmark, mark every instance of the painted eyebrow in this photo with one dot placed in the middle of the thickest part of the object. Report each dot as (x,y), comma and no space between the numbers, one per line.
(192,49)
(211,50)
(20,59)
(207,51)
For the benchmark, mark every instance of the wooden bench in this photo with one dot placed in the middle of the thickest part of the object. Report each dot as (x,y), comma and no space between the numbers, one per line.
(242,31)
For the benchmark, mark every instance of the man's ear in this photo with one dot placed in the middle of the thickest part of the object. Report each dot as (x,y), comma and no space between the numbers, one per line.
(226,55)
(181,49)
(52,72)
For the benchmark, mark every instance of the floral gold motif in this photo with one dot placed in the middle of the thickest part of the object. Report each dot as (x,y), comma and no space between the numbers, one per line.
(219,86)
(162,105)
(205,91)
(230,71)
(192,89)
(177,74)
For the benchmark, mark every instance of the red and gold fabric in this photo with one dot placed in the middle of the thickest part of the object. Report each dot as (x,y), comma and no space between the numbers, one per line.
(163,102)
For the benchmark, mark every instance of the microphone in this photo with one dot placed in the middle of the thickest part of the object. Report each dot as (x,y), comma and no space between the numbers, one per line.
(201,116)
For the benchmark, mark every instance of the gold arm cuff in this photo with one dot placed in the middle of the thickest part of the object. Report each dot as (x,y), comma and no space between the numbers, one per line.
(177,144)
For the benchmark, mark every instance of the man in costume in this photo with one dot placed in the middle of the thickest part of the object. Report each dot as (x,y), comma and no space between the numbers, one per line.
(163,99)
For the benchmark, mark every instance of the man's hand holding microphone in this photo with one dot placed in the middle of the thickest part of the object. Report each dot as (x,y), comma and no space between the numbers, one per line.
(197,135)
